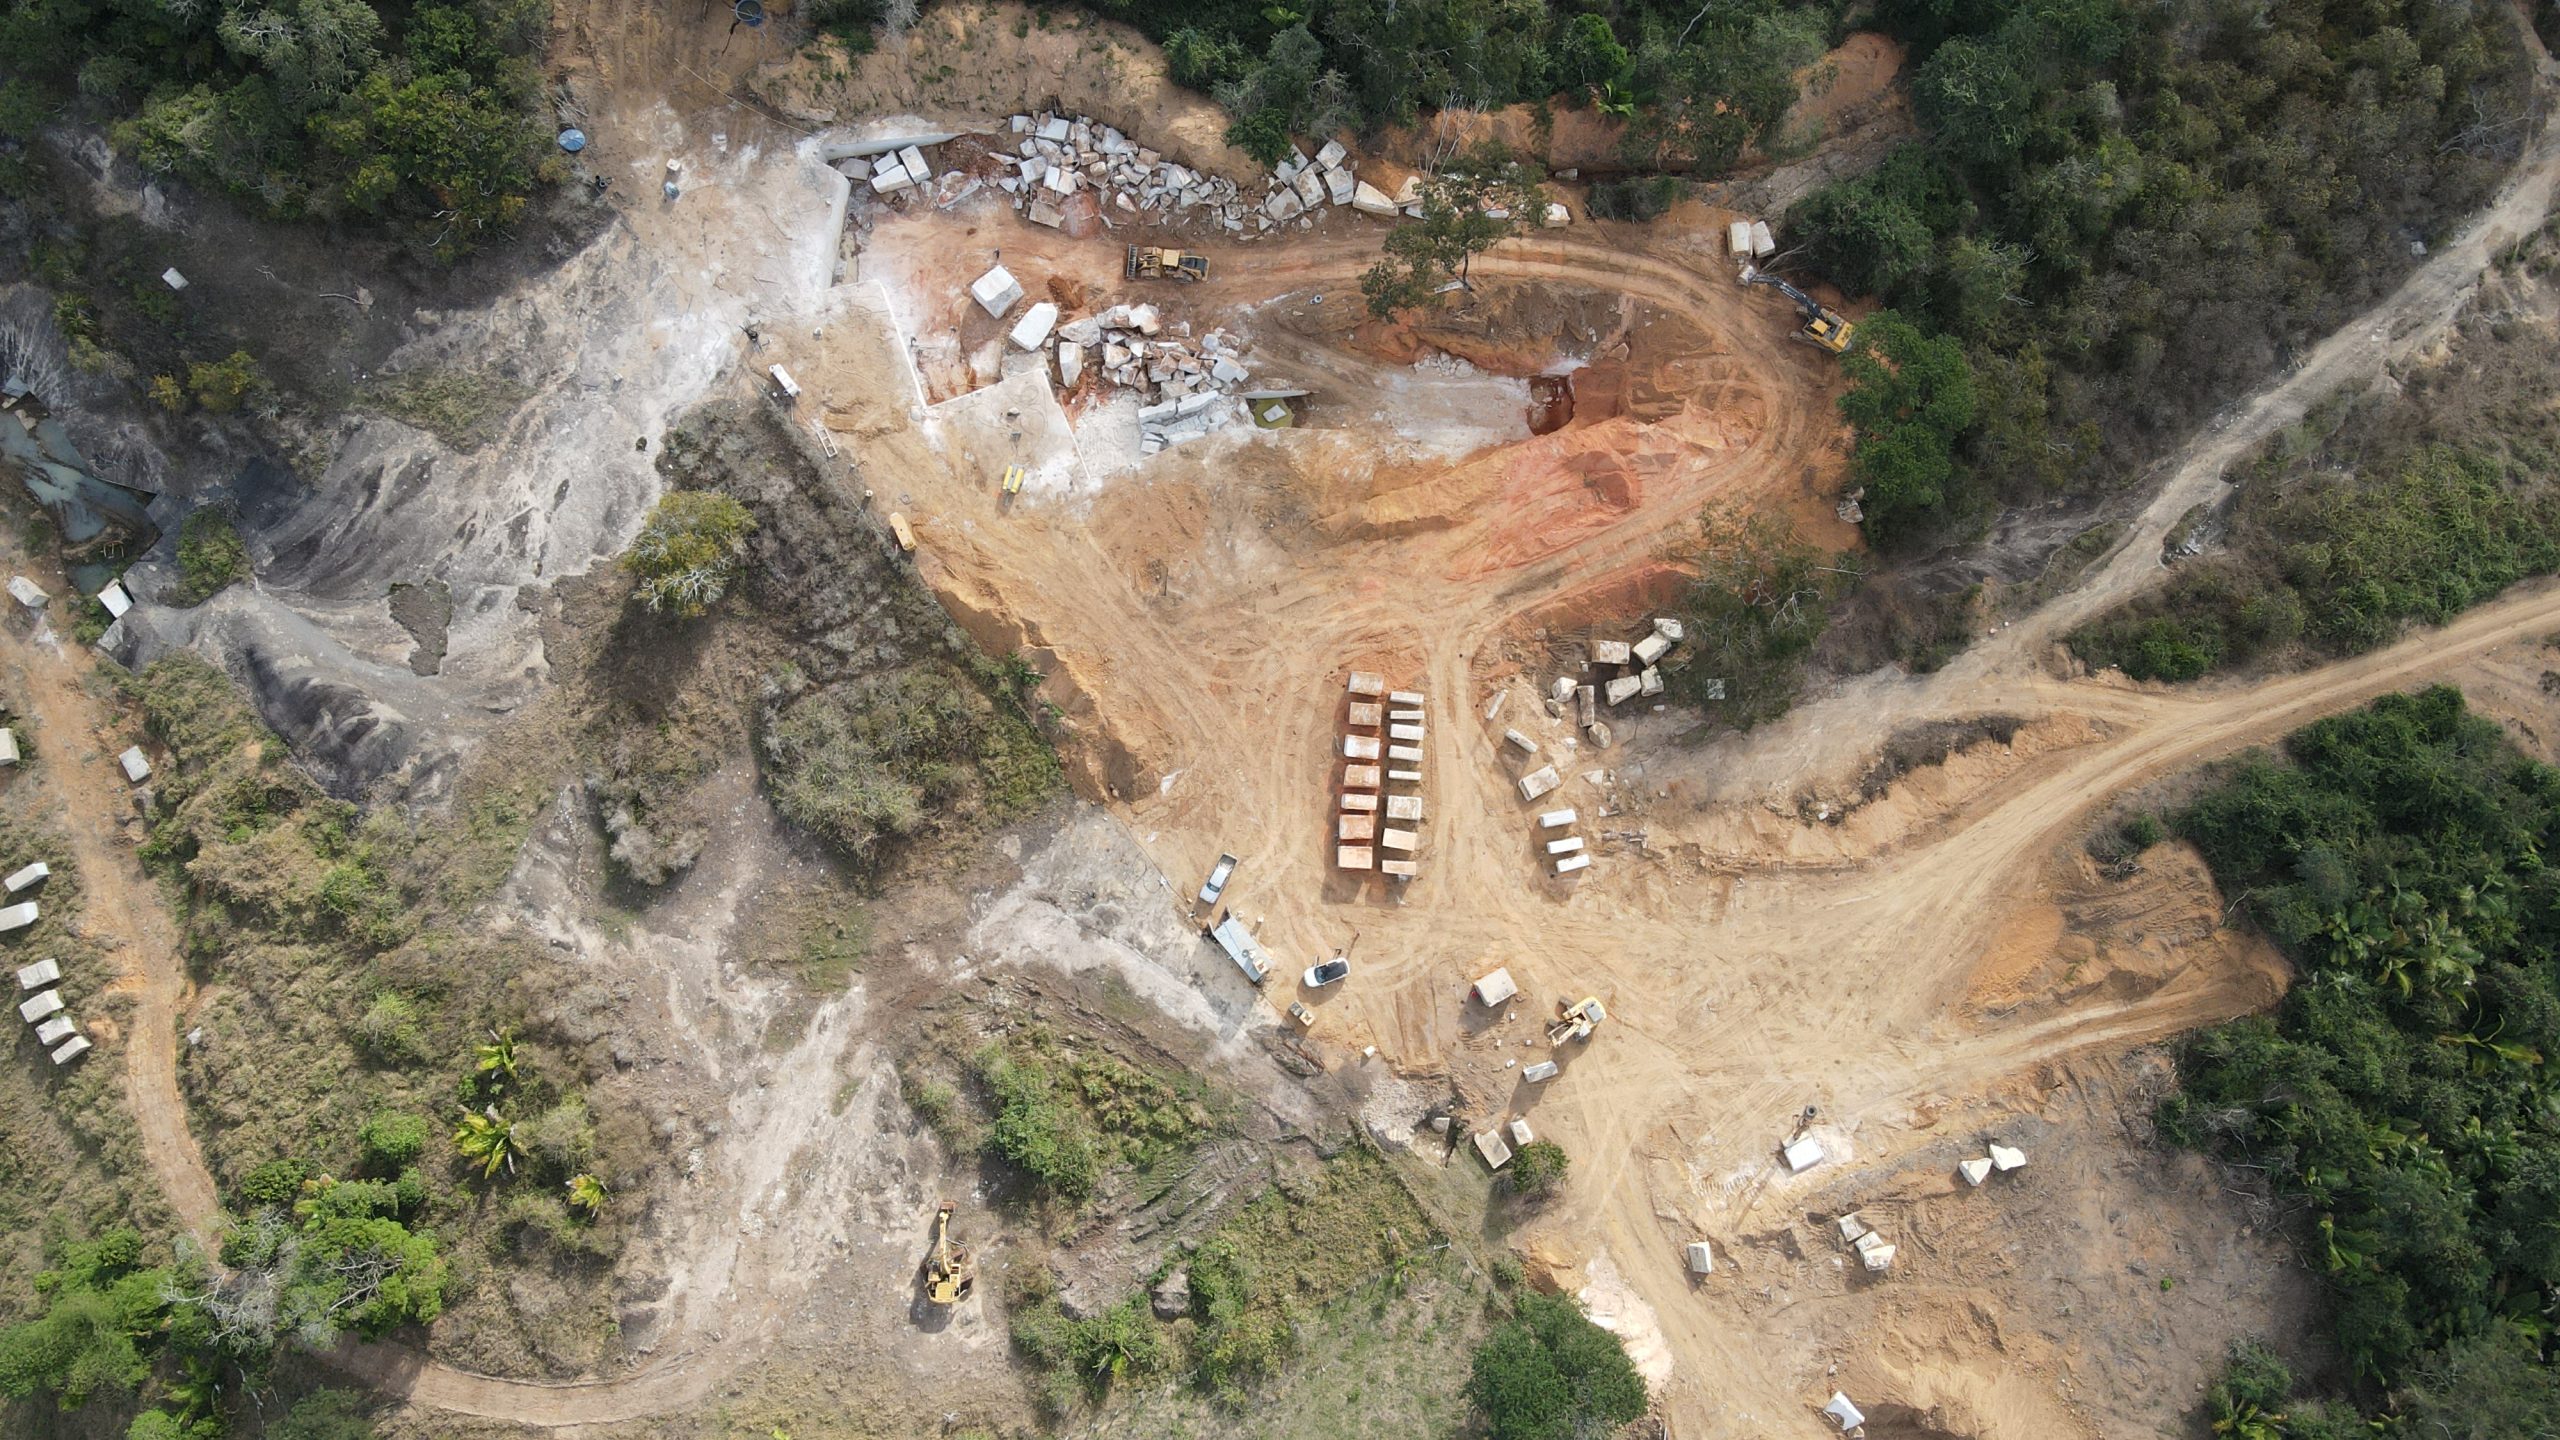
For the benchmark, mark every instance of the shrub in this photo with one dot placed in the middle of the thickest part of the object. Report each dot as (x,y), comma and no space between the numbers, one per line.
(1537,1169)
(688,551)
(1036,1127)
(388,1033)
(391,1140)
(277,1182)
(222,386)
(1550,1374)
(210,555)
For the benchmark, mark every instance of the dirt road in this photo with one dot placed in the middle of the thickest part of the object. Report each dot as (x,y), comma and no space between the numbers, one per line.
(1197,620)
(56,684)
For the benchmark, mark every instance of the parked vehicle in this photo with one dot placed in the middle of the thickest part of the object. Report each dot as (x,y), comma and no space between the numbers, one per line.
(1319,976)
(1217,885)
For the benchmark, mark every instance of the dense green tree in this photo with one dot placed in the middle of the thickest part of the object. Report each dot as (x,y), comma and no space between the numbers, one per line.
(1911,403)
(103,1317)
(1550,1374)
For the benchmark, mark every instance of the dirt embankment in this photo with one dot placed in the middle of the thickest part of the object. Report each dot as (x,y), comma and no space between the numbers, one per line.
(967,66)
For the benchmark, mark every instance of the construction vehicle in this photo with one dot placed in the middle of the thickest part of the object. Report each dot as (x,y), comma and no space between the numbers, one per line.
(949,1270)
(1149,262)
(1013,478)
(1823,325)
(904,533)
(1576,1021)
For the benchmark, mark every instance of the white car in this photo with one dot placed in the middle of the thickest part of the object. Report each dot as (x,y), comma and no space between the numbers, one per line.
(1319,976)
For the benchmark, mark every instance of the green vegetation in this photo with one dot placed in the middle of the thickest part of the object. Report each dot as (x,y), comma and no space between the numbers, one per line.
(1537,1169)
(325,109)
(460,407)
(1296,1253)
(2126,214)
(884,757)
(688,551)
(2400,1102)
(210,554)
(1467,209)
(1760,600)
(2376,510)
(1910,400)
(1550,1374)
(1068,1113)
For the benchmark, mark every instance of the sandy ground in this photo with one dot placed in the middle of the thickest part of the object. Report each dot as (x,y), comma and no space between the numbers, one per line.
(1916,966)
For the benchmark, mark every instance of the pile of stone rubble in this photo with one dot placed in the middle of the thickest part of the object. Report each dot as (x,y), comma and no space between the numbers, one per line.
(1131,347)
(1061,156)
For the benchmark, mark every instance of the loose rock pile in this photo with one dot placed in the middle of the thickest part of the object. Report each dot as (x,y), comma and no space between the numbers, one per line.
(1130,346)
(1060,155)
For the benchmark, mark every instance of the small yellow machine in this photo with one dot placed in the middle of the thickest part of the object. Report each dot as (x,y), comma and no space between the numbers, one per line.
(1576,1021)
(1014,475)
(949,1270)
(1148,262)
(904,532)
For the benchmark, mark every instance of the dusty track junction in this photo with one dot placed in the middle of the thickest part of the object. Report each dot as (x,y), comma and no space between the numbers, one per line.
(1928,965)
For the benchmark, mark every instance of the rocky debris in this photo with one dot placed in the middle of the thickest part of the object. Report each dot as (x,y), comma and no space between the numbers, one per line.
(1171,1299)
(1056,156)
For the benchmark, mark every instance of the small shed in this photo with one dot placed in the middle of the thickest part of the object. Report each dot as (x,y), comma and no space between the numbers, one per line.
(18,916)
(137,766)
(39,975)
(1849,1416)
(1802,1154)
(1702,1258)
(42,1005)
(30,875)
(1495,988)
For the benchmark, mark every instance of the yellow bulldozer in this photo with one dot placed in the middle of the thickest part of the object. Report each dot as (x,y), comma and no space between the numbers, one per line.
(949,1270)
(1149,262)
(1823,325)
(1576,1021)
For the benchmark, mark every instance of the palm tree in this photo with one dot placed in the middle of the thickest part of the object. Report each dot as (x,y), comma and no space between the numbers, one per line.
(486,1139)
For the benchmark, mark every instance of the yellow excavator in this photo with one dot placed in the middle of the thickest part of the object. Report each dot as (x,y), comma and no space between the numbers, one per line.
(1576,1021)
(949,1270)
(1149,262)
(1823,325)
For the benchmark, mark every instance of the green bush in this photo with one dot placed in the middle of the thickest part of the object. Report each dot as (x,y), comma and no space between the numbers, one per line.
(277,1182)
(210,554)
(222,386)
(1550,1374)
(102,1317)
(390,1141)
(688,551)
(1537,1169)
(1760,600)
(876,759)
(388,1033)
(1037,1128)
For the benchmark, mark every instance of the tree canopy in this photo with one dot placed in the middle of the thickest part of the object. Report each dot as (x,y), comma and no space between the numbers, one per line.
(1467,209)
(1548,1373)
(688,551)
(2400,1101)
